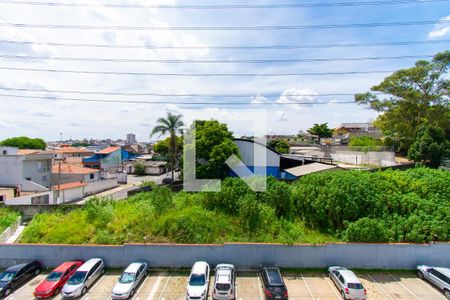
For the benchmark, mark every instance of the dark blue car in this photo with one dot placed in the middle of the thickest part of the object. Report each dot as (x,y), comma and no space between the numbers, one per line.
(17,275)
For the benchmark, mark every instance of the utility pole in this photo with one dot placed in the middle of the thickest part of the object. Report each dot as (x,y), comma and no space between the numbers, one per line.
(59,180)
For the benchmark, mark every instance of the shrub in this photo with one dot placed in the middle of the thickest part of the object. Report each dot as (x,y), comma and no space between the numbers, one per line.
(7,218)
(366,230)
(139,169)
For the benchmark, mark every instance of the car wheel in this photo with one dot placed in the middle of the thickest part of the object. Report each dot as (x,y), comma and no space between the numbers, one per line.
(420,275)
(103,271)
(7,292)
(343,295)
(131,293)
(447,294)
(83,291)
(57,291)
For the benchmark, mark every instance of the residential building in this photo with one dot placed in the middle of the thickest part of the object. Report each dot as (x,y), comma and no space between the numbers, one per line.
(66,173)
(72,155)
(131,139)
(108,160)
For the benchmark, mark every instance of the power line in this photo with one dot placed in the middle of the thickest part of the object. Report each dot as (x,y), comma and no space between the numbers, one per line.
(227,6)
(174,102)
(197,74)
(269,94)
(192,61)
(273,47)
(226,28)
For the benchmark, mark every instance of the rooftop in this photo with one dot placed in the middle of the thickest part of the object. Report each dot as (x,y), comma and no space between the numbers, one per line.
(67,186)
(74,169)
(310,168)
(108,150)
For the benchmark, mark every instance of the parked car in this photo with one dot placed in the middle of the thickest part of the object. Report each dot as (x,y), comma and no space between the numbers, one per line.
(167,180)
(53,283)
(224,283)
(83,278)
(440,277)
(348,283)
(139,190)
(16,275)
(272,282)
(198,282)
(129,280)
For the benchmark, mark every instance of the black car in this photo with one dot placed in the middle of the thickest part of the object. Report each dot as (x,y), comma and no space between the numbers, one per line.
(16,275)
(273,283)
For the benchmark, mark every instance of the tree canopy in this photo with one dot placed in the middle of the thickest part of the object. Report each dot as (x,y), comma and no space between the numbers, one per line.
(280,145)
(431,146)
(411,97)
(162,146)
(23,142)
(321,130)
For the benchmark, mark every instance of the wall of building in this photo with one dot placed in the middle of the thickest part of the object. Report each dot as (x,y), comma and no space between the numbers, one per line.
(11,172)
(112,161)
(70,194)
(382,159)
(28,199)
(378,256)
(250,150)
(38,170)
(100,186)
(7,193)
(73,177)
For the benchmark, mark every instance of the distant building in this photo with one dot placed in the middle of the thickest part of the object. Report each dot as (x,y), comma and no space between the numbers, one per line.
(131,139)
(73,155)
(109,159)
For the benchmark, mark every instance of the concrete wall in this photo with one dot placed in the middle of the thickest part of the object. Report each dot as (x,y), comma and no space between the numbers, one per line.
(391,256)
(11,172)
(73,194)
(382,159)
(100,186)
(39,170)
(73,177)
(8,232)
(28,199)
(32,210)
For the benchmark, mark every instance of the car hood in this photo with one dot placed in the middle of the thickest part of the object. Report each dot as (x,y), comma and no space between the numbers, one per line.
(46,285)
(69,288)
(3,284)
(122,288)
(196,291)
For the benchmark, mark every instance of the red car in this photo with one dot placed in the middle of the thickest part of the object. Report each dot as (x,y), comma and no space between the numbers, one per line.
(52,285)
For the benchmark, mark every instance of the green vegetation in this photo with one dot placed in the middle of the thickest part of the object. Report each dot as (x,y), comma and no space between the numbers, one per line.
(281,145)
(321,130)
(411,97)
(431,146)
(7,218)
(23,142)
(363,141)
(383,206)
(139,169)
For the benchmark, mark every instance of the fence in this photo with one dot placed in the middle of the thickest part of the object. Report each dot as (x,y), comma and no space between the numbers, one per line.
(355,255)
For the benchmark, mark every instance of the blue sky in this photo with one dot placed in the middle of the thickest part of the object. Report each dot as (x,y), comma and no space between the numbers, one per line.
(44,118)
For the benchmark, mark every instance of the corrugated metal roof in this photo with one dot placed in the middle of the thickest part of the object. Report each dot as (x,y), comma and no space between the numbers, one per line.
(309,168)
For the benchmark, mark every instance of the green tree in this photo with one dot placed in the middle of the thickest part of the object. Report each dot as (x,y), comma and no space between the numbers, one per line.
(213,145)
(321,130)
(411,97)
(171,124)
(139,168)
(430,146)
(280,145)
(23,142)
(162,147)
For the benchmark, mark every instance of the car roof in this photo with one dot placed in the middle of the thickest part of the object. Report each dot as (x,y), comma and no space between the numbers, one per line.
(65,265)
(199,267)
(223,278)
(444,271)
(133,267)
(16,267)
(349,276)
(89,264)
(274,276)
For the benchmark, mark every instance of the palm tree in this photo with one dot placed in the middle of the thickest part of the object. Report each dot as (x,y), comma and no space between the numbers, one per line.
(171,124)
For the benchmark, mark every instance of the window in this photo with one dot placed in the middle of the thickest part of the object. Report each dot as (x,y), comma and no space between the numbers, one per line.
(341,279)
(91,176)
(44,178)
(2,198)
(43,199)
(5,152)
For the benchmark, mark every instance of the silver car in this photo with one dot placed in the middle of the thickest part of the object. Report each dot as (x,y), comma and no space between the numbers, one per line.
(348,284)
(83,278)
(440,277)
(224,283)
(129,280)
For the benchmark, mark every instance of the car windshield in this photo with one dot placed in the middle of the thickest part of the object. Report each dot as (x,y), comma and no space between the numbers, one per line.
(7,276)
(355,286)
(197,280)
(127,277)
(77,278)
(223,286)
(54,276)
(274,277)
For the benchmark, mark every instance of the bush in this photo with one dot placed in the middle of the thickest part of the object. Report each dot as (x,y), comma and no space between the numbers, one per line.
(139,169)
(7,218)
(366,230)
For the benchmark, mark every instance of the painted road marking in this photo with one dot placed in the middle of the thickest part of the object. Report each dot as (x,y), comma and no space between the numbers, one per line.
(379,285)
(140,287)
(331,284)
(86,296)
(307,286)
(164,288)
(428,285)
(154,288)
(404,286)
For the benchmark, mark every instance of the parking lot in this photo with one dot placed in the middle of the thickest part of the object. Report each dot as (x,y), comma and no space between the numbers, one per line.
(167,285)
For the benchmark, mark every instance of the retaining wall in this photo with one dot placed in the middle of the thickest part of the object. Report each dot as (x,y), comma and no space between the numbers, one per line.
(354,255)
(8,232)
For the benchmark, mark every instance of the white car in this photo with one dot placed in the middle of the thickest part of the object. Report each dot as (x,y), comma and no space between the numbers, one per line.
(224,283)
(83,278)
(440,277)
(198,282)
(129,280)
(348,284)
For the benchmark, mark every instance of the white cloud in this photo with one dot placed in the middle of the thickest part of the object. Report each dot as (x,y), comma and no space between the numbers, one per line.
(293,96)
(42,113)
(6,125)
(440,29)
(281,116)
(258,99)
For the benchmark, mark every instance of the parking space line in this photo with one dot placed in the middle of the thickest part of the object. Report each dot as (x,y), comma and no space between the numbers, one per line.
(24,285)
(307,286)
(135,297)
(154,288)
(429,286)
(331,284)
(379,285)
(86,296)
(404,286)
(259,288)
(164,288)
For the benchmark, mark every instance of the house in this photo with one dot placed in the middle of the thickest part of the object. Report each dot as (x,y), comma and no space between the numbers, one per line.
(71,155)
(109,159)
(71,191)
(65,173)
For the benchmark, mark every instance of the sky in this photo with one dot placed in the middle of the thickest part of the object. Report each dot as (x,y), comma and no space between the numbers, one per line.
(50,116)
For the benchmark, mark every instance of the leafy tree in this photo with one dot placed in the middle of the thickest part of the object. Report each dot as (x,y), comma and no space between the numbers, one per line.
(214,145)
(411,97)
(366,230)
(162,147)
(171,124)
(23,142)
(431,146)
(139,169)
(321,130)
(280,145)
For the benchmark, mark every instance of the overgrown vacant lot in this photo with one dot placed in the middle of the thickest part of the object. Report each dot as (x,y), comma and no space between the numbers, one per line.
(384,206)
(7,218)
